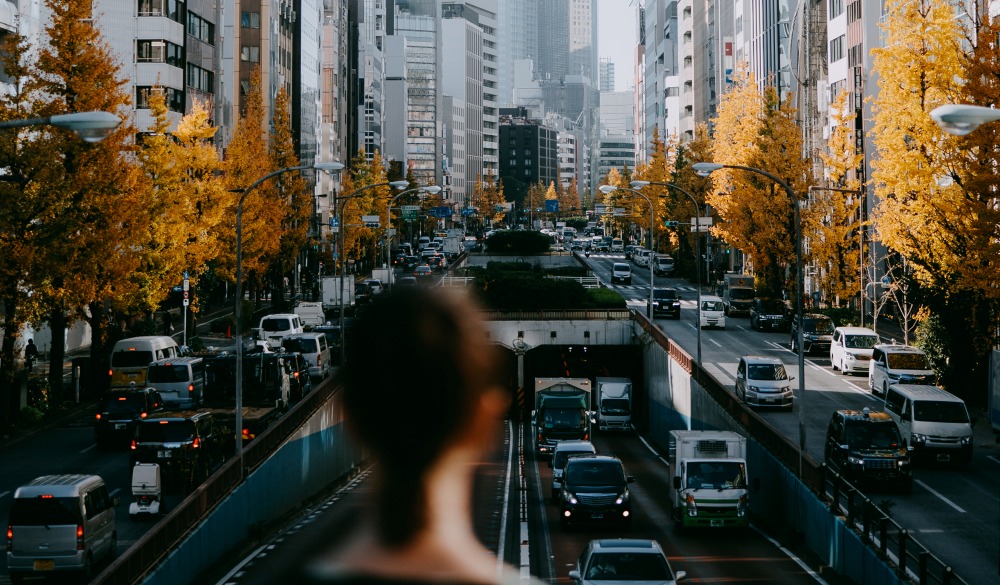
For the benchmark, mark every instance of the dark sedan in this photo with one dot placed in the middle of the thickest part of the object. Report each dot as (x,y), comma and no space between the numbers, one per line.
(666,302)
(769,315)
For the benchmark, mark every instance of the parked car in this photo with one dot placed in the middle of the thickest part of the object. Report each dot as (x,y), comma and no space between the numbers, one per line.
(851,349)
(119,412)
(624,560)
(763,381)
(817,333)
(666,302)
(769,315)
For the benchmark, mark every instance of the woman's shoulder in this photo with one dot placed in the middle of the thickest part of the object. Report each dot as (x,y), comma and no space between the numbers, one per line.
(330,576)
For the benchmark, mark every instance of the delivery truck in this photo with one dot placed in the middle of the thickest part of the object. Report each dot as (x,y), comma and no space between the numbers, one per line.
(709,481)
(563,412)
(614,404)
(332,298)
(737,294)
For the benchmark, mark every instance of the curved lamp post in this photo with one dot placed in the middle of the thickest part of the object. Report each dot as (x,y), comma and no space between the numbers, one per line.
(705,169)
(398,185)
(697,246)
(432,189)
(330,167)
(89,126)
(962,119)
(607,190)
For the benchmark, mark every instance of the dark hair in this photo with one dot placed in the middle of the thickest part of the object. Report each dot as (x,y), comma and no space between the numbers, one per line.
(418,361)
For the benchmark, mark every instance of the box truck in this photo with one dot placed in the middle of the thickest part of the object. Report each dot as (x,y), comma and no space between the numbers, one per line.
(709,485)
(563,412)
(614,404)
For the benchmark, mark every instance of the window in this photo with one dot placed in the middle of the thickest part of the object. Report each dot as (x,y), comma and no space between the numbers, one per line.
(175,103)
(172,9)
(159,51)
(837,49)
(836,8)
(251,54)
(250,19)
(200,79)
(200,28)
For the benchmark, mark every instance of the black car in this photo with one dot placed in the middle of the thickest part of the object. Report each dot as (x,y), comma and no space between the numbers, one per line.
(666,302)
(816,335)
(298,374)
(409,263)
(187,445)
(362,294)
(595,489)
(120,410)
(866,447)
(769,315)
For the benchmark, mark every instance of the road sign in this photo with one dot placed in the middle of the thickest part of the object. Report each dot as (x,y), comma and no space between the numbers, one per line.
(619,212)
(334,222)
(186,302)
(704,223)
(371,221)
(551,206)
(601,209)
(410,212)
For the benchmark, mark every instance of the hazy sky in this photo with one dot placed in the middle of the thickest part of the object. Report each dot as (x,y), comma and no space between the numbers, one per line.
(616,38)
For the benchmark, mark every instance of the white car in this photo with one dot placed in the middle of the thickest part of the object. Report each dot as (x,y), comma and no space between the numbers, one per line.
(624,560)
(851,349)
(763,381)
(712,312)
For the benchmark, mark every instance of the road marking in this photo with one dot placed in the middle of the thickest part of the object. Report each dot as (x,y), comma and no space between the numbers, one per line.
(3,494)
(715,342)
(990,457)
(942,498)
(506,495)
(820,369)
(88,448)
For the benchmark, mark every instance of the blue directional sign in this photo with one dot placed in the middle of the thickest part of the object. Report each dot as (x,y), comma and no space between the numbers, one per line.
(441,212)
(552,206)
(469,211)
(334,222)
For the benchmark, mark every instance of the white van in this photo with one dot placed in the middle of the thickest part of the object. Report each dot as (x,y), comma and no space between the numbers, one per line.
(315,348)
(60,523)
(712,312)
(561,453)
(851,349)
(934,422)
(180,381)
(274,328)
(310,313)
(642,256)
(898,364)
(131,357)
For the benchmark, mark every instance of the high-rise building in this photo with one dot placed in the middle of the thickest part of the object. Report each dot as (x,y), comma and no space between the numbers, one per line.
(517,40)
(462,87)
(662,97)
(607,73)
(419,22)
(528,151)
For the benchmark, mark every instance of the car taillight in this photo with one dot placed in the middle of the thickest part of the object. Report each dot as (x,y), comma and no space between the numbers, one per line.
(196,443)
(132,446)
(98,416)
(319,361)
(190,388)
(109,373)
(79,537)
(142,415)
(10,538)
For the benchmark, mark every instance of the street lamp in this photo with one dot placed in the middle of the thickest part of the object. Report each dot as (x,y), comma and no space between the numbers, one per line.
(330,167)
(89,126)
(398,185)
(962,119)
(607,190)
(705,169)
(432,189)
(697,245)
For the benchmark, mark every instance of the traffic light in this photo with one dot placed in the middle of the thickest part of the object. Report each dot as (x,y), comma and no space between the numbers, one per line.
(670,223)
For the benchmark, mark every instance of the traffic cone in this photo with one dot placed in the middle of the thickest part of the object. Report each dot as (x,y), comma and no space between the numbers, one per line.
(229,331)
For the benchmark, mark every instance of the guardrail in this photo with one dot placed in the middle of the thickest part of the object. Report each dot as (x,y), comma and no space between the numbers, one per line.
(543,315)
(586,281)
(456,281)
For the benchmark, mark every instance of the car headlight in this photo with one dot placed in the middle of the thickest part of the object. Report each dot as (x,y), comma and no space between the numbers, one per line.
(893,376)
(754,389)
(786,390)
(571,498)
(918,438)
(742,505)
(677,303)
(967,440)
(622,498)
(692,508)
(854,460)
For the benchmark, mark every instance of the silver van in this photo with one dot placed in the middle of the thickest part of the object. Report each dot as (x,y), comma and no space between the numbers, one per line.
(934,422)
(60,523)
(898,364)
(562,452)
(180,381)
(316,350)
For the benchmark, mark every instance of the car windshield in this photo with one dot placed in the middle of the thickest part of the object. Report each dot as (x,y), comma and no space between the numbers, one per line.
(940,411)
(556,418)
(300,344)
(163,431)
(166,373)
(45,511)
(664,295)
(621,268)
(615,406)
(628,566)
(741,294)
(716,475)
(124,404)
(131,359)
(870,436)
(594,473)
(860,341)
(908,361)
(822,326)
(766,372)
(772,307)
(711,305)
(279,324)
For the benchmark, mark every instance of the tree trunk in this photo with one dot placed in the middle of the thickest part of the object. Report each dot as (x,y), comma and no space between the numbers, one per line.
(97,381)
(10,395)
(57,353)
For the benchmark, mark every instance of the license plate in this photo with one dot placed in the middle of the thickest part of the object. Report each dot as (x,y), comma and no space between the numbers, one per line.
(716,522)
(119,426)
(597,515)
(770,399)
(45,565)
(943,457)
(165,454)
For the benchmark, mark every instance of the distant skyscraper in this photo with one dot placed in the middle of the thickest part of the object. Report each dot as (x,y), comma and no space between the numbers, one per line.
(517,40)
(607,68)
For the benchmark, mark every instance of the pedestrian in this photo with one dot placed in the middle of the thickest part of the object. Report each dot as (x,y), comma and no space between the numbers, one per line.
(422,392)
(30,354)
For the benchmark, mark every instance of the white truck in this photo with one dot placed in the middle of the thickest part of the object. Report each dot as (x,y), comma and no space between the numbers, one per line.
(330,286)
(385,275)
(453,247)
(737,294)
(614,404)
(563,412)
(709,479)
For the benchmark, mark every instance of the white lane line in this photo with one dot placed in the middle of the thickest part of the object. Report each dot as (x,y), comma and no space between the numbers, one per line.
(88,448)
(821,369)
(3,494)
(990,457)
(716,342)
(942,498)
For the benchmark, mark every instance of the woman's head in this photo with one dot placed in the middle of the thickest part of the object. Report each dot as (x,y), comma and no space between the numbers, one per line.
(419,368)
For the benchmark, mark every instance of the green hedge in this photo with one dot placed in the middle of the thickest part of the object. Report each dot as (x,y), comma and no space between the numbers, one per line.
(520,243)
(605,298)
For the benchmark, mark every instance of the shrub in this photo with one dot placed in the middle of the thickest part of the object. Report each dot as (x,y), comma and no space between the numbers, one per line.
(30,415)
(567,271)
(605,298)
(38,394)
(533,293)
